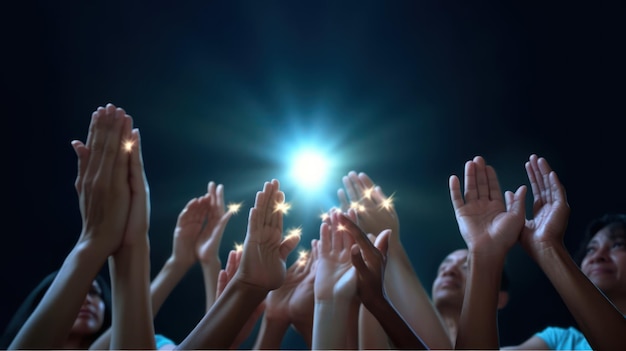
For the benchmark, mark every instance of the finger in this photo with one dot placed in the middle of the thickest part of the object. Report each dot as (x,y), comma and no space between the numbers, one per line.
(219,195)
(114,157)
(347,183)
(517,201)
(277,216)
(324,245)
(382,242)
(357,260)
(545,170)
(534,186)
(495,193)
(222,281)
(138,180)
(287,246)
(482,183)
(455,192)
(471,187)
(358,234)
(82,157)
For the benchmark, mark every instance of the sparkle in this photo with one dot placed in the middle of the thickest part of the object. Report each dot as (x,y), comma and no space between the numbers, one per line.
(387,203)
(128,145)
(238,247)
(303,255)
(341,227)
(324,216)
(368,193)
(234,207)
(283,207)
(294,232)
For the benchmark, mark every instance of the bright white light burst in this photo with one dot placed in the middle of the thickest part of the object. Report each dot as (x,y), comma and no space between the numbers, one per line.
(309,168)
(234,207)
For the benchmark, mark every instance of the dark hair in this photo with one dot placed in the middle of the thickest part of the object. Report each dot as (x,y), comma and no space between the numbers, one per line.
(594,227)
(32,300)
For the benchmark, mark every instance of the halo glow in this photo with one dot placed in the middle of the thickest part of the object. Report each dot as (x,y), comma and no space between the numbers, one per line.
(309,168)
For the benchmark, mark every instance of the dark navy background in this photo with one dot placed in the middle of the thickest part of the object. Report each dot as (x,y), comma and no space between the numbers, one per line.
(406,91)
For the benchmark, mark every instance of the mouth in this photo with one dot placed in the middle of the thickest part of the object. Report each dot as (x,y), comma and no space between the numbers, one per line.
(86,313)
(449,284)
(600,271)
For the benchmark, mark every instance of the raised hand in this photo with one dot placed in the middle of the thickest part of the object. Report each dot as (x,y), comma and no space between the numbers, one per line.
(188,227)
(490,228)
(264,249)
(484,220)
(335,276)
(139,215)
(208,244)
(336,306)
(102,182)
(550,208)
(369,261)
(375,211)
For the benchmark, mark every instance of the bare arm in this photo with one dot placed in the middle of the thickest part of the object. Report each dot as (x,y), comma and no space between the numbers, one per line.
(542,237)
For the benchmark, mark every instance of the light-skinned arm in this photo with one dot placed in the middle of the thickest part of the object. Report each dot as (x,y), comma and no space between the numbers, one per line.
(376,213)
(261,270)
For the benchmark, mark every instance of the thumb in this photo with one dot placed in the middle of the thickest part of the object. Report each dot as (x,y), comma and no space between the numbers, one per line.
(288,244)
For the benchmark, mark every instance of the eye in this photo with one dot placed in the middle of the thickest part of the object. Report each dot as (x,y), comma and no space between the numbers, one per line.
(94,292)
(618,244)
(589,250)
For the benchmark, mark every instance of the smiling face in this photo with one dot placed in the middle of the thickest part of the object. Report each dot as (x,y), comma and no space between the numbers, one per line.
(604,262)
(449,286)
(91,315)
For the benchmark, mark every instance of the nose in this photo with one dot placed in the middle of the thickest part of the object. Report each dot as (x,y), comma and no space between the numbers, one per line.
(449,270)
(601,254)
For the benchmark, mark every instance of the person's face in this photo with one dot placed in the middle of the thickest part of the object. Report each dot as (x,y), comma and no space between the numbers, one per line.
(449,286)
(91,314)
(605,260)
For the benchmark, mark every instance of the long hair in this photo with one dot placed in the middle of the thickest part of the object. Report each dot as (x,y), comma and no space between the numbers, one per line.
(32,300)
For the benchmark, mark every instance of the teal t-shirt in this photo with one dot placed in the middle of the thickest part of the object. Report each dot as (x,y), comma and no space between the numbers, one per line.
(564,339)
(162,341)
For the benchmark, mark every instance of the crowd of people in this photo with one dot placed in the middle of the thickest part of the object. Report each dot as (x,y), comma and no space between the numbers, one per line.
(356,289)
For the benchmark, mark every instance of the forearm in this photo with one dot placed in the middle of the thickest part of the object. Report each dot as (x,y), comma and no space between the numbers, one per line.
(271,334)
(372,336)
(404,289)
(50,323)
(210,271)
(220,326)
(396,328)
(132,326)
(603,325)
(478,327)
(166,280)
(330,319)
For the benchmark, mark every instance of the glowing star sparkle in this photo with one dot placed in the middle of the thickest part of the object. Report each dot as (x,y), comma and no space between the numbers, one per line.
(367,193)
(238,247)
(234,207)
(294,232)
(387,203)
(324,216)
(283,207)
(303,255)
(341,227)
(128,145)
